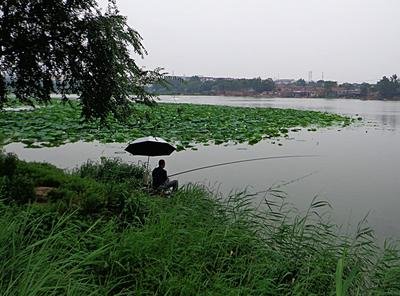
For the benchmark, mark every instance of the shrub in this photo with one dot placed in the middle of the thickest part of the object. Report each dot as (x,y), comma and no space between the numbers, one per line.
(43,174)
(111,170)
(8,164)
(3,187)
(60,194)
(19,189)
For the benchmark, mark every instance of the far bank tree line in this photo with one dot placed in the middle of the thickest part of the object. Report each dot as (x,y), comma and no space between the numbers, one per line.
(386,88)
(196,85)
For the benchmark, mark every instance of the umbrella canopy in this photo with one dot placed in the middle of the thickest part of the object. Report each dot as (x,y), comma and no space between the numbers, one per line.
(150,146)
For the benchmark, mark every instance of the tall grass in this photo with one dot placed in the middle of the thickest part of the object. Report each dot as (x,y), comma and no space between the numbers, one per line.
(111,170)
(189,244)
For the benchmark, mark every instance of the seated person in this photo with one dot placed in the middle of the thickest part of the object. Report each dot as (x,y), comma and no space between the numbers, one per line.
(160,178)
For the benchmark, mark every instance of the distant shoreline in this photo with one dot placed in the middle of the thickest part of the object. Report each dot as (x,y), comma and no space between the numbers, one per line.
(370,98)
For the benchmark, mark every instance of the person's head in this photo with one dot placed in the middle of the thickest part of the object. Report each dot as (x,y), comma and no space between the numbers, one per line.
(161,163)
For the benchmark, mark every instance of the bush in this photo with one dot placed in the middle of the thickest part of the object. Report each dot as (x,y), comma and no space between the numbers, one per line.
(19,189)
(3,187)
(60,194)
(19,178)
(112,170)
(42,174)
(8,164)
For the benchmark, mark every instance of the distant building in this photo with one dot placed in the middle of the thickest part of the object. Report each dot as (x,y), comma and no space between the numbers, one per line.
(205,78)
(348,92)
(284,81)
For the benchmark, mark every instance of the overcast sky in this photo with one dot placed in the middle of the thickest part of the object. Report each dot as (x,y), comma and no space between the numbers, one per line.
(348,40)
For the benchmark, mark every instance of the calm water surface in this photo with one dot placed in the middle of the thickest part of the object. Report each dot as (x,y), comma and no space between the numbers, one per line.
(358,170)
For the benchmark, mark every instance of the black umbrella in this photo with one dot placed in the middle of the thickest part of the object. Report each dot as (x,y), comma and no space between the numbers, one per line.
(150,146)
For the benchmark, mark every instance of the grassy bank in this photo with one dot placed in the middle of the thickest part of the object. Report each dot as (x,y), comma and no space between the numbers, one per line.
(182,124)
(98,233)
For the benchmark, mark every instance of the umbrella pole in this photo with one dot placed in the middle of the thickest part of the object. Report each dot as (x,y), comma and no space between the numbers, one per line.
(147,172)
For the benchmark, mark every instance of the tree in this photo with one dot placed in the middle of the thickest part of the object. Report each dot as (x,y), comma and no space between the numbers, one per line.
(328,86)
(365,89)
(346,86)
(301,82)
(212,86)
(70,46)
(389,88)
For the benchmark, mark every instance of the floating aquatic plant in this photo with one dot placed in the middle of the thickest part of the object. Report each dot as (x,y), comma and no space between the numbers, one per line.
(183,124)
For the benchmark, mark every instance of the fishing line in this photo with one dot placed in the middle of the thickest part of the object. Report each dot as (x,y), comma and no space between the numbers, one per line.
(244,160)
(294,180)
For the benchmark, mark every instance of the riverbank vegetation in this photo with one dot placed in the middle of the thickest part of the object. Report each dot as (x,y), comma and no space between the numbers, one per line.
(196,85)
(386,88)
(182,124)
(98,232)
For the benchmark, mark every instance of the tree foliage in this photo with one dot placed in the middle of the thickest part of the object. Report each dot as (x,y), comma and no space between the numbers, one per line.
(212,86)
(301,82)
(70,46)
(389,88)
(328,88)
(365,89)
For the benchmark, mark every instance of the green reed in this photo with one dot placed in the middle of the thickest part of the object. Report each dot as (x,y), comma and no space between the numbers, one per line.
(103,237)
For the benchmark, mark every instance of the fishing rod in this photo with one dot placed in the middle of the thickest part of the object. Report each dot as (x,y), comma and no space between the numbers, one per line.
(243,160)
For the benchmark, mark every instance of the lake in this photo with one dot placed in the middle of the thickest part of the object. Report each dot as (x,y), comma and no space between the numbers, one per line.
(357,171)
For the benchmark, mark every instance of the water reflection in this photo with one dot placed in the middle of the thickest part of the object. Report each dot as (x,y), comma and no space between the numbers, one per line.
(389,120)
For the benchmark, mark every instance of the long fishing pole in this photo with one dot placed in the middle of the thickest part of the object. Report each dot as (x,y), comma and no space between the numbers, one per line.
(243,160)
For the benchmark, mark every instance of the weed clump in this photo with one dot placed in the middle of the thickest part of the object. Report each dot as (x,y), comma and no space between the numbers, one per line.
(111,170)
